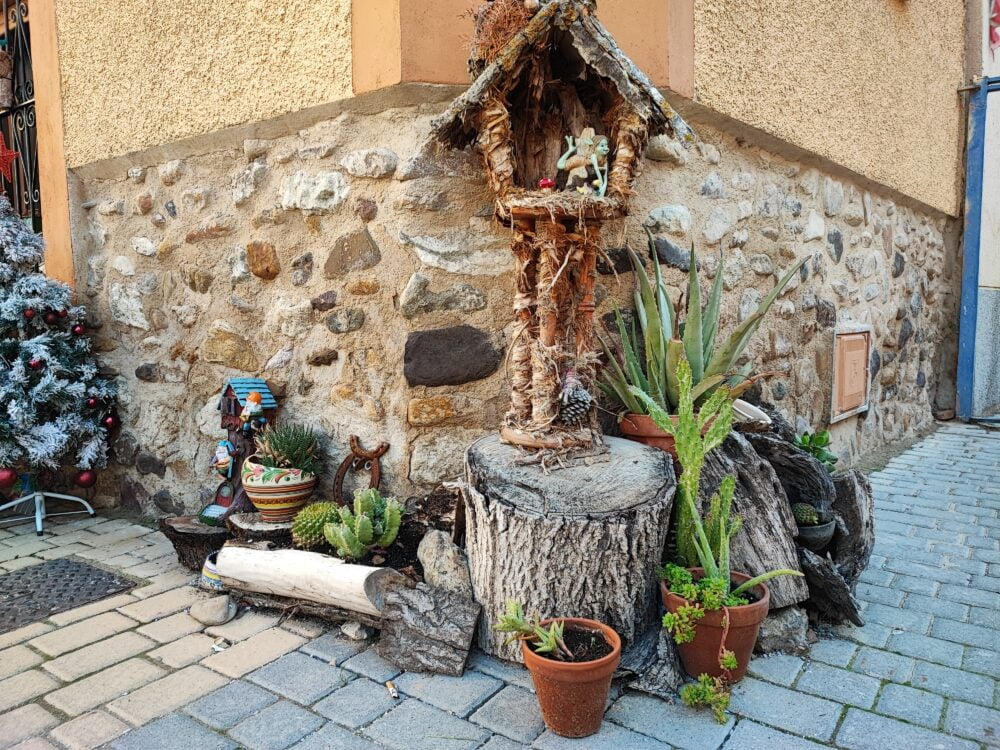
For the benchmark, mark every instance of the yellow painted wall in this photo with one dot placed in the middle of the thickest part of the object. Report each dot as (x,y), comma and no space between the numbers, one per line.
(868,84)
(139,73)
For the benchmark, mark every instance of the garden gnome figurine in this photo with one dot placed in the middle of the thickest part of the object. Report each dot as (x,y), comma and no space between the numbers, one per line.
(252,412)
(586,161)
(223,458)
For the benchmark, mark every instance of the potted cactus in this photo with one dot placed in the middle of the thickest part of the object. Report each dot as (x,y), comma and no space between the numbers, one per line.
(815,526)
(713,613)
(307,528)
(281,475)
(372,523)
(571,661)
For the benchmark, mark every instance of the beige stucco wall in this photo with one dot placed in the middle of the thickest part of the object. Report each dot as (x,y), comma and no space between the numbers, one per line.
(869,84)
(137,73)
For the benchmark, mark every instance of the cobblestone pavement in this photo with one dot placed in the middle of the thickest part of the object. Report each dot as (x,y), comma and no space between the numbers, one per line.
(135,672)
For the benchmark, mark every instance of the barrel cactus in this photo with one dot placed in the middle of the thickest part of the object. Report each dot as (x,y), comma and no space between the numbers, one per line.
(373,522)
(307,528)
(805,514)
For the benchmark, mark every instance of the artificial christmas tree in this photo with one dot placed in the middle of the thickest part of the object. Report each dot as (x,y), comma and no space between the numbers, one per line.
(55,408)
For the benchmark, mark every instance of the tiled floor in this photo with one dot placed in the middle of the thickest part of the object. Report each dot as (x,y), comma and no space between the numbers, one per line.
(136,672)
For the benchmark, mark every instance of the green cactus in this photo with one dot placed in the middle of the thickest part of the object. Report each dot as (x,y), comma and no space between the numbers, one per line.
(307,528)
(805,514)
(373,522)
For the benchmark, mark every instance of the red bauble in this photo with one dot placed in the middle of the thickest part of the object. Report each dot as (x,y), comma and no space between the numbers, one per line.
(62,313)
(29,312)
(78,330)
(50,318)
(36,364)
(86,478)
(7,478)
(111,421)
(546,183)
(92,403)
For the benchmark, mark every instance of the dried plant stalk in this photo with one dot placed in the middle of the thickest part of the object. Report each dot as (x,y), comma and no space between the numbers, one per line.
(524,311)
(495,143)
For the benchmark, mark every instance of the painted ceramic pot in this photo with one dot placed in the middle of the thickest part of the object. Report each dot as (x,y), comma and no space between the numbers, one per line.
(278,494)
(210,574)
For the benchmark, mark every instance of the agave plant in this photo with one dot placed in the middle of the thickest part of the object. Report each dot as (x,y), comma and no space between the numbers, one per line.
(649,356)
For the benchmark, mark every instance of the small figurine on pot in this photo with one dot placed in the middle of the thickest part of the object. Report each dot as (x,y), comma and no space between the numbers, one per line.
(586,161)
(252,415)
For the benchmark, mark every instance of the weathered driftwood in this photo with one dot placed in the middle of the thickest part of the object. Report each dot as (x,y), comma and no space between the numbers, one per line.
(581,541)
(654,665)
(427,629)
(309,576)
(193,540)
(855,507)
(248,527)
(829,593)
(804,478)
(292,607)
(766,541)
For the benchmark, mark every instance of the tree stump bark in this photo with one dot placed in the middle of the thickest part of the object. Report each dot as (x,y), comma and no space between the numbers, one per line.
(248,527)
(580,541)
(803,477)
(193,541)
(855,506)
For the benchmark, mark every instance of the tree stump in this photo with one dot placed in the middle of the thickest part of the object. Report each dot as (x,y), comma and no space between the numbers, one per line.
(803,477)
(193,540)
(580,541)
(248,527)
(855,506)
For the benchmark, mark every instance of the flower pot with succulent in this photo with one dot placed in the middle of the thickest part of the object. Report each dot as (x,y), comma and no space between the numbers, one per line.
(713,613)
(648,355)
(280,476)
(816,527)
(571,661)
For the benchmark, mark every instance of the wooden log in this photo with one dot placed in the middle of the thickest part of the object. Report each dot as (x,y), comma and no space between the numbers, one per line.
(291,607)
(855,506)
(803,477)
(193,540)
(829,593)
(248,527)
(654,665)
(766,541)
(309,576)
(582,541)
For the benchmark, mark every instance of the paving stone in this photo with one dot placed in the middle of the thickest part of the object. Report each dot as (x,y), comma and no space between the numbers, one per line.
(509,672)
(513,712)
(839,684)
(80,634)
(163,604)
(91,692)
(21,635)
(498,742)
(413,725)
(229,705)
(883,665)
(97,656)
(171,628)
(872,634)
(779,668)
(89,610)
(371,665)
(610,737)
(166,695)
(276,727)
(779,707)
(161,583)
(307,627)
(861,730)
(254,652)
(981,660)
(246,625)
(35,743)
(24,548)
(936,606)
(20,724)
(970,635)
(928,649)
(898,619)
(21,688)
(91,730)
(750,735)
(832,651)
(299,677)
(988,618)
(21,562)
(870,593)
(914,706)
(170,733)
(675,724)
(17,659)
(334,648)
(332,737)
(975,722)
(874,577)
(916,585)
(954,683)
(965,595)
(357,703)
(181,653)
(457,695)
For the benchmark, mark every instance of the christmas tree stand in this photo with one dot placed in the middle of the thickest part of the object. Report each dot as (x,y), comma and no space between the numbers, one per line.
(40,513)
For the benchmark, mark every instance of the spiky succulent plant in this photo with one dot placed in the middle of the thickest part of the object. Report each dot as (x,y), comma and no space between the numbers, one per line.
(373,522)
(307,528)
(806,515)
(290,446)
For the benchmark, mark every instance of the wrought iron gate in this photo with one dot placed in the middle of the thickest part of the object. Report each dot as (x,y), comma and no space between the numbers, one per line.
(17,122)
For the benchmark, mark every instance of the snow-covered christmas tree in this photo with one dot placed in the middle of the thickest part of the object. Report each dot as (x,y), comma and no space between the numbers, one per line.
(55,409)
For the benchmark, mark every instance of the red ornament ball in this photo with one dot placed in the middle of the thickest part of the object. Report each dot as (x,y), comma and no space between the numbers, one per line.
(111,421)
(86,478)
(7,478)
(78,330)
(92,402)
(546,183)
(50,318)
(63,313)
(36,364)
(29,313)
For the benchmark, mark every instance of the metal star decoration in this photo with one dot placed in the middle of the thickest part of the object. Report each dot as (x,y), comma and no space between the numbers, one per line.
(7,158)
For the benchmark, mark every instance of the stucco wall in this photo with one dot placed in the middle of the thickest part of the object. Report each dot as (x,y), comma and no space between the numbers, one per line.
(137,73)
(868,84)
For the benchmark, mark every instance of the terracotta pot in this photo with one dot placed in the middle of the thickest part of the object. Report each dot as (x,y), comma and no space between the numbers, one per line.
(643,429)
(573,696)
(701,656)
(278,494)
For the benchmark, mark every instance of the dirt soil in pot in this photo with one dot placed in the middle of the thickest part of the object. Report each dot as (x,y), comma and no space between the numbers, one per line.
(586,645)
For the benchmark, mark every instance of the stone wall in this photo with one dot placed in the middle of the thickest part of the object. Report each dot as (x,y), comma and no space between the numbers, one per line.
(373,290)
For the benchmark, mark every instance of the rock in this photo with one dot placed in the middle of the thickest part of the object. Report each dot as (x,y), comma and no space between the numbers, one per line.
(672,219)
(835,244)
(771,232)
(363,287)
(143,246)
(166,503)
(136,175)
(240,304)
(322,357)
(213,228)
(720,222)
(826,313)
(291,316)
(619,261)
(371,162)
(196,279)
(281,358)
(662,148)
(317,151)
(245,184)
(793,206)
(171,171)
(147,463)
(854,214)
(445,564)
(779,346)
(356,631)
(439,455)
(254,148)
(224,345)
(744,181)
(321,192)
(905,332)
(111,207)
(143,204)
(423,195)
(133,496)
(345,321)
(449,356)
(871,291)
(148,372)
(921,380)
(417,297)
(875,363)
(749,302)
(366,209)
(779,389)
(815,227)
(125,448)
(833,197)
(325,301)
(710,153)
(125,304)
(744,210)
(459,251)
(239,269)
(901,240)
(158,220)
(355,251)
(424,412)
(124,266)
(171,209)
(733,271)
(263,260)
(187,315)
(303,269)
(739,238)
(898,265)
(712,187)
(215,611)
(196,199)
(784,630)
(761,264)
(451,163)
(672,255)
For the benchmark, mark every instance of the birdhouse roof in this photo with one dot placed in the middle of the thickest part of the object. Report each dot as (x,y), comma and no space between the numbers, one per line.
(242,387)
(456,128)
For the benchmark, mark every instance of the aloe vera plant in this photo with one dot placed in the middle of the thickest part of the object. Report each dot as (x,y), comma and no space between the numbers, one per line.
(649,356)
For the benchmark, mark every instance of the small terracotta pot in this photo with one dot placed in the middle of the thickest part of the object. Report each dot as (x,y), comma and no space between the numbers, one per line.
(643,429)
(278,494)
(573,696)
(701,656)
